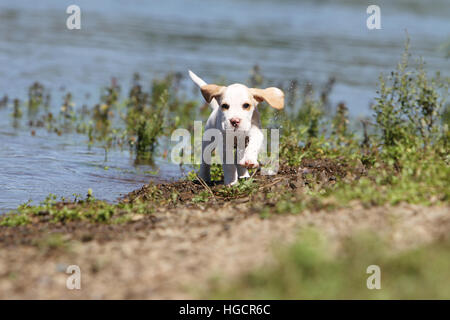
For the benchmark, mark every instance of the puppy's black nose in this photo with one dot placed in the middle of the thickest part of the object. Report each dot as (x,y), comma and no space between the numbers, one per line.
(235,122)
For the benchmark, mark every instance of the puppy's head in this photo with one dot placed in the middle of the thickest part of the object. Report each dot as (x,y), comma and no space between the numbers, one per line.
(237,103)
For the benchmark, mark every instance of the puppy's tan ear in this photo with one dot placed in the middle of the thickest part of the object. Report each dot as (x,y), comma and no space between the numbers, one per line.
(273,96)
(210,91)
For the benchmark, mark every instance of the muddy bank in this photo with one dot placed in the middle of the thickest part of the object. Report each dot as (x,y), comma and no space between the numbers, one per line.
(170,198)
(326,171)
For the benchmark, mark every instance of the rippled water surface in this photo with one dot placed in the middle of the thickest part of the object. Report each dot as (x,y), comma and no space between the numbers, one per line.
(307,40)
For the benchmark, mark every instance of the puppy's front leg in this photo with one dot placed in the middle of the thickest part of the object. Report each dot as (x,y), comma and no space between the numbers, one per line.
(240,149)
(242,171)
(205,166)
(230,175)
(255,140)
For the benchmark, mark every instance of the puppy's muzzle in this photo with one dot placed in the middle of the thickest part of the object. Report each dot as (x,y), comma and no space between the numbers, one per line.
(235,122)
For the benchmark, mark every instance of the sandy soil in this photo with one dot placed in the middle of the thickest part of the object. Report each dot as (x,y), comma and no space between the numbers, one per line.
(173,253)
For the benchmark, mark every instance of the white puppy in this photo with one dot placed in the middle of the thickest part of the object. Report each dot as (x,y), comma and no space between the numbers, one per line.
(234,113)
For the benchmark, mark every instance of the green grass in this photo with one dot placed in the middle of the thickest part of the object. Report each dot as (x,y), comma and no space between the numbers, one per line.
(88,209)
(309,269)
(203,196)
(244,187)
(422,181)
(52,242)
(14,220)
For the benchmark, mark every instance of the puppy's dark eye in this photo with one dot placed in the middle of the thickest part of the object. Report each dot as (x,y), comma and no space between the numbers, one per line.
(225,106)
(246,106)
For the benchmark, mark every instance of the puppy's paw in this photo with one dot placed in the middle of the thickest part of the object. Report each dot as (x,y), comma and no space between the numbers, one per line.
(231,183)
(249,162)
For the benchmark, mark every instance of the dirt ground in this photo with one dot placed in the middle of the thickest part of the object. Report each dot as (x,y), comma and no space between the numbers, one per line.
(176,255)
(174,252)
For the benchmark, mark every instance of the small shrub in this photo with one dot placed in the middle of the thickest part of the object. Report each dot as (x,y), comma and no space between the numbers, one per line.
(409,108)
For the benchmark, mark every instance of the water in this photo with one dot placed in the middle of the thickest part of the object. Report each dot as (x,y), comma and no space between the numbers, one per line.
(34,166)
(307,40)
